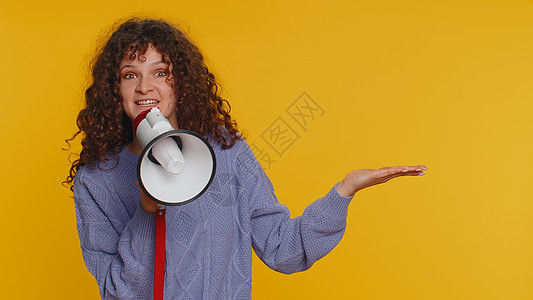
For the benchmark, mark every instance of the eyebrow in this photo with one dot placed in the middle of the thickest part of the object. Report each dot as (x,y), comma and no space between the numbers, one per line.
(152,64)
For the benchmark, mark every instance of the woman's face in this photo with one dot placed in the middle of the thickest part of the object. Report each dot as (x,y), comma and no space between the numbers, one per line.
(145,83)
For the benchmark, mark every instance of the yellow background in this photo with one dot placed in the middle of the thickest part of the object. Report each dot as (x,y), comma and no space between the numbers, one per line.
(445,83)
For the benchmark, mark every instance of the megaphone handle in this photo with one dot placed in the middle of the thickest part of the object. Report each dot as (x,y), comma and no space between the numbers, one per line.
(159,266)
(178,142)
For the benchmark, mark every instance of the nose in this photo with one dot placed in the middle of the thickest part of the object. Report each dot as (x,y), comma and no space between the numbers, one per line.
(144,85)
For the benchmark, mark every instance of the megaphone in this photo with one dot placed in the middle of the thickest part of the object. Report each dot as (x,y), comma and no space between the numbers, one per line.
(176,166)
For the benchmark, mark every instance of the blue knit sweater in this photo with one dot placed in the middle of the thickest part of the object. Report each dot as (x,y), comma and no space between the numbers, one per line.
(209,241)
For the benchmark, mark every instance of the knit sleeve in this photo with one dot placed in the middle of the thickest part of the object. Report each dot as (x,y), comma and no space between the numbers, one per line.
(287,244)
(121,259)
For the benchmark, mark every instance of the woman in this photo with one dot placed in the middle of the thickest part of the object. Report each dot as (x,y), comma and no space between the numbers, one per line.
(150,63)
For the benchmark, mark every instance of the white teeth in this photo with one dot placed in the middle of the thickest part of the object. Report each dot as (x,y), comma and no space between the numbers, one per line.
(148,102)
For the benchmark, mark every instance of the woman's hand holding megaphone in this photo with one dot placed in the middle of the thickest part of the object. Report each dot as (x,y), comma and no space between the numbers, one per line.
(360,179)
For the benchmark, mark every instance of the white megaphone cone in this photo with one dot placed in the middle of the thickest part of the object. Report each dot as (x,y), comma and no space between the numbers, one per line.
(175,166)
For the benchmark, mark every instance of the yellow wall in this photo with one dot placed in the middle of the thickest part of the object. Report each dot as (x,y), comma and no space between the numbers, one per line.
(445,83)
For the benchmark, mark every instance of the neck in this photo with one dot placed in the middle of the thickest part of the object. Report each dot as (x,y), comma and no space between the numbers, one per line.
(134,147)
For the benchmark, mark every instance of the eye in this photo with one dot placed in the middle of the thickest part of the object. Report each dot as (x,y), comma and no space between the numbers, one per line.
(129,76)
(160,73)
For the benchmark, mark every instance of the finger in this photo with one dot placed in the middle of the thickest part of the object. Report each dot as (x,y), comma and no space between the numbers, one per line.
(400,171)
(385,171)
(418,168)
(409,171)
(396,170)
(406,169)
(412,173)
(390,174)
(394,175)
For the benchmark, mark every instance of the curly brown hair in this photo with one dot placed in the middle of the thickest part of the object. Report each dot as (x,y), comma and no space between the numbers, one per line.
(103,123)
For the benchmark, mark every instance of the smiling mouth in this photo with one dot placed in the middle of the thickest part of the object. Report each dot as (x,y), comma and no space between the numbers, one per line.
(147,102)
